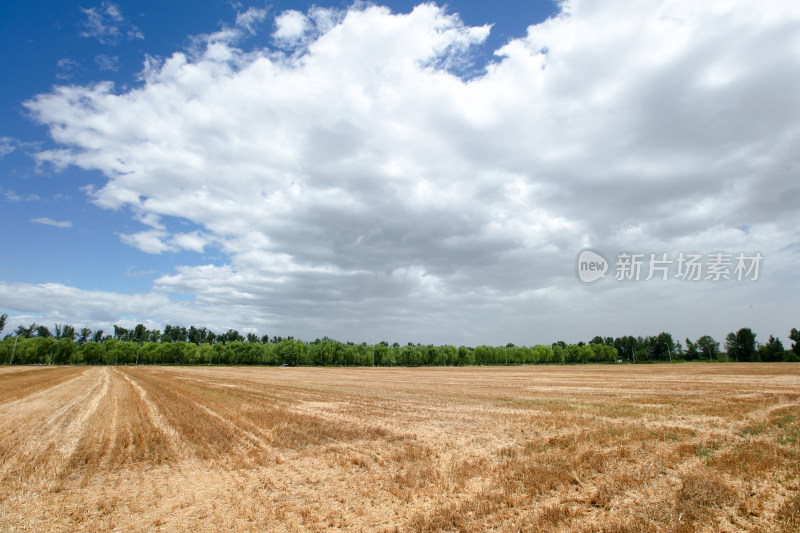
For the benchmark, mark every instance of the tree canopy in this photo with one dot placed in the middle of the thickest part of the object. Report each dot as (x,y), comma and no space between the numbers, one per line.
(37,344)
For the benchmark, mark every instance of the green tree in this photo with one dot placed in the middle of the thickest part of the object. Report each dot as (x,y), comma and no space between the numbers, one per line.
(110,346)
(3,319)
(603,353)
(291,352)
(543,354)
(175,334)
(741,346)
(196,336)
(121,333)
(573,353)
(380,352)
(348,353)
(205,354)
(244,353)
(730,347)
(559,354)
(64,331)
(92,353)
(189,356)
(484,355)
(773,350)
(15,349)
(410,355)
(464,356)
(64,351)
(220,354)
(170,353)
(121,352)
(626,347)
(139,334)
(269,354)
(692,352)
(148,353)
(322,353)
(708,347)
(44,350)
(794,335)
(448,355)
(24,332)
(430,356)
(230,336)
(662,347)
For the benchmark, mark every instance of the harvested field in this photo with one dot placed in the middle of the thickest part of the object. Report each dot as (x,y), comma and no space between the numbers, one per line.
(617,448)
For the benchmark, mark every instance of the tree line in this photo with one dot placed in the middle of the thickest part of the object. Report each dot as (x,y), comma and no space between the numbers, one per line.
(38,344)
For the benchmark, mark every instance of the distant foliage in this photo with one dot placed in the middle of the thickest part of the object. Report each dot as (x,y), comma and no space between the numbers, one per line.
(177,345)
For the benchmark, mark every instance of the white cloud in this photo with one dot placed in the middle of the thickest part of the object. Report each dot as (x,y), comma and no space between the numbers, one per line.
(11,196)
(194,241)
(157,241)
(106,24)
(248,19)
(290,25)
(294,29)
(105,62)
(66,68)
(133,272)
(150,241)
(50,222)
(357,187)
(7,145)
(54,302)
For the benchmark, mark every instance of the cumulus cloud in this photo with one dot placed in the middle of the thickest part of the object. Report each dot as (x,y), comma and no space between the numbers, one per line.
(54,302)
(194,241)
(50,222)
(290,25)
(296,30)
(157,241)
(358,184)
(151,241)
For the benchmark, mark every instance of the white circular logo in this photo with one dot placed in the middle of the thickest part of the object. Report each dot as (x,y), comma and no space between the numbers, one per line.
(591,266)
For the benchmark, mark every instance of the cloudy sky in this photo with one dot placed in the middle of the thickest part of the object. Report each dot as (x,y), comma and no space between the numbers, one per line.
(401,172)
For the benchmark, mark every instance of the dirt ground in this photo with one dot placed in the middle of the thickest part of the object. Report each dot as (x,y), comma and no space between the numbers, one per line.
(616,448)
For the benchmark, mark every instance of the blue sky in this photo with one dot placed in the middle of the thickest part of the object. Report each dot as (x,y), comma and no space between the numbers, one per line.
(63,43)
(396,171)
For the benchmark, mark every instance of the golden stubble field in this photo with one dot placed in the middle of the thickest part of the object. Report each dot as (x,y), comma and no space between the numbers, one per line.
(618,448)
